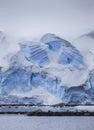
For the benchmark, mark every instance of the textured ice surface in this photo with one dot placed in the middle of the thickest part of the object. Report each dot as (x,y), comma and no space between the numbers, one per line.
(16,79)
(90,81)
(36,54)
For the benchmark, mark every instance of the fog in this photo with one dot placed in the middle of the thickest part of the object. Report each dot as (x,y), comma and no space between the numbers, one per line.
(33,18)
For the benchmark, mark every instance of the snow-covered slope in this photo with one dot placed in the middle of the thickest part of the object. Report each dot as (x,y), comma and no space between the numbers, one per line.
(51,70)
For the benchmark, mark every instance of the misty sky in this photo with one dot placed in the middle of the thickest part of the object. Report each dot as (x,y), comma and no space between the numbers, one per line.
(33,18)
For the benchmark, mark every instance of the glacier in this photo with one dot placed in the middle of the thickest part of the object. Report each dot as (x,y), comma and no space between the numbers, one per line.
(53,64)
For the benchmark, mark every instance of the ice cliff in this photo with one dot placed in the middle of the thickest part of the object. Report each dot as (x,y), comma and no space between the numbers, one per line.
(53,64)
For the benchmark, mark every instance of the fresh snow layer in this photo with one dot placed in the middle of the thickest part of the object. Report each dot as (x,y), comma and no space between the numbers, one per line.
(85,108)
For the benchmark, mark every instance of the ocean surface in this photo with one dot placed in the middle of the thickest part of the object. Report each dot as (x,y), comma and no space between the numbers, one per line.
(22,122)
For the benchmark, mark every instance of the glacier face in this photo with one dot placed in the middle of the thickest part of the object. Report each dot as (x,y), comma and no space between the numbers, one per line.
(79,95)
(16,79)
(90,81)
(53,64)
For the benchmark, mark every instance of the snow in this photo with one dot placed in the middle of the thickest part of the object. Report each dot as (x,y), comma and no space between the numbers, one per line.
(85,44)
(19,122)
(42,94)
(8,45)
(85,108)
